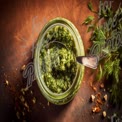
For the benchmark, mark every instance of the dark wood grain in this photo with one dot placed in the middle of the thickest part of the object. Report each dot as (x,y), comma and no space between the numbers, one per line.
(20,24)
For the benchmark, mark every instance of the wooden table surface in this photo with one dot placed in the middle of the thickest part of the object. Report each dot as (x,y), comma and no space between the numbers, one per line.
(20,24)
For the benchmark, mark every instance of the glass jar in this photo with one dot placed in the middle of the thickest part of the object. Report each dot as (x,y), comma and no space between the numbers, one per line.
(68,95)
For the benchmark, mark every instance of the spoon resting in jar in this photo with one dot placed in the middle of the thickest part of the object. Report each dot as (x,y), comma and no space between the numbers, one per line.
(88,61)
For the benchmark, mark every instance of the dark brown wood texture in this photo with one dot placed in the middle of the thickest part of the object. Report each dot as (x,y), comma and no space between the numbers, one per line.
(20,24)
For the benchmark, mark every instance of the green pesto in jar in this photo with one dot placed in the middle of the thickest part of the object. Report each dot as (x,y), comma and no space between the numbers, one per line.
(57,59)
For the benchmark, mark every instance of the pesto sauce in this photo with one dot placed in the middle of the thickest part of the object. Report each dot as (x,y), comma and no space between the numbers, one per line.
(57,59)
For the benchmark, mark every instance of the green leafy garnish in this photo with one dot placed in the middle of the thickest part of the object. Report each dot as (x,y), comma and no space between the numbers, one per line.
(88,20)
(105,11)
(99,76)
(90,6)
(91,27)
(106,40)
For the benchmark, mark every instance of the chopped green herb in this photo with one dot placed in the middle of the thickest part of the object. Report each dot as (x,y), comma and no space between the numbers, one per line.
(106,40)
(99,76)
(91,27)
(90,6)
(88,20)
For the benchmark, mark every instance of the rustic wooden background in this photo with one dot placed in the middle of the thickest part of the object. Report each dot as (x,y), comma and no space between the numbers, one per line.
(20,24)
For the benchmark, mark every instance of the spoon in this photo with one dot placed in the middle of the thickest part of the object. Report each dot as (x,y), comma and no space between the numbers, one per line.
(88,61)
